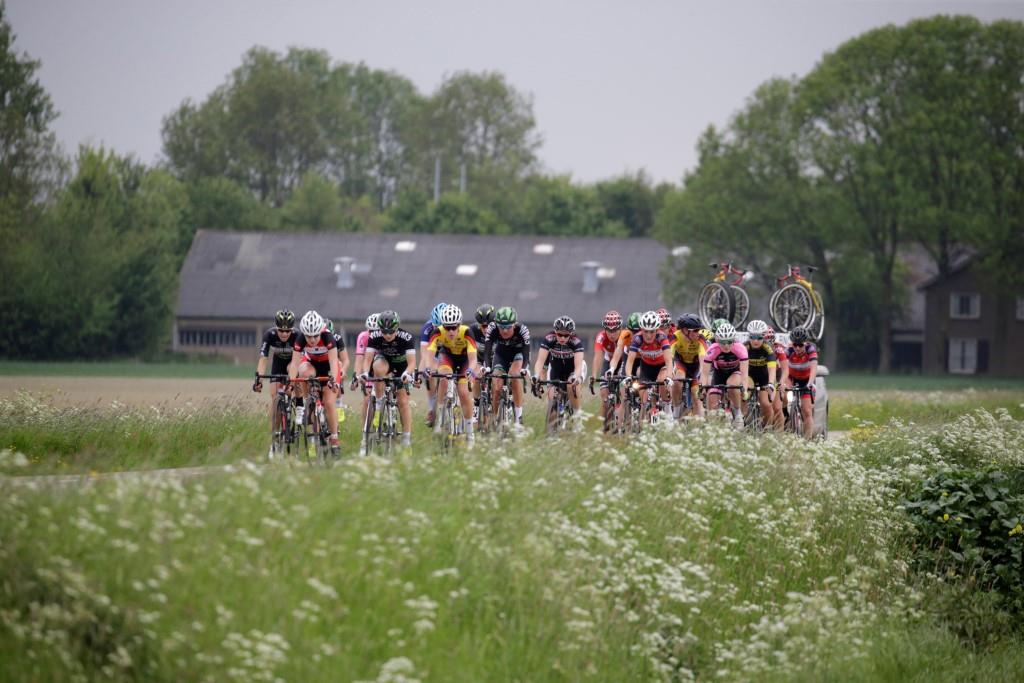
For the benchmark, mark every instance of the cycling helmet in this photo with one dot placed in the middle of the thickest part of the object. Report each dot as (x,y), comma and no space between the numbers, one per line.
(312,324)
(284,319)
(706,334)
(506,315)
(688,321)
(565,324)
(435,315)
(633,322)
(757,327)
(798,335)
(718,322)
(371,321)
(725,334)
(330,326)
(612,320)
(388,322)
(451,315)
(485,315)
(664,318)
(650,321)
(769,334)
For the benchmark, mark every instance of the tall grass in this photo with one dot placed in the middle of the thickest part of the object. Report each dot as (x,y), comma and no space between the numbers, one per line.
(702,554)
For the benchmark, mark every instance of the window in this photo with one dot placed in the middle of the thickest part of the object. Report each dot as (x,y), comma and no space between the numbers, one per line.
(216,338)
(963,356)
(964,306)
(1020,308)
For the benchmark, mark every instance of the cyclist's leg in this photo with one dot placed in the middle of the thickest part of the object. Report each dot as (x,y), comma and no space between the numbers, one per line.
(402,398)
(678,384)
(735,392)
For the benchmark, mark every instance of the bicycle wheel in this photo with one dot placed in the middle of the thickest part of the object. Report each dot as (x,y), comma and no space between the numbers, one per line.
(715,301)
(817,328)
(279,437)
(323,437)
(506,414)
(483,413)
(792,307)
(552,417)
(608,415)
(742,300)
(369,433)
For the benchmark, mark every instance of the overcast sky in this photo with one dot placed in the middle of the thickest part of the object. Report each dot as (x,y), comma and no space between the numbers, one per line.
(617,86)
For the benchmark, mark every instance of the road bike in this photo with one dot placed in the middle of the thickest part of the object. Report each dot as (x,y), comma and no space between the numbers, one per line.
(725,299)
(559,412)
(504,419)
(283,434)
(723,410)
(314,432)
(795,418)
(483,406)
(448,423)
(610,406)
(795,303)
(755,419)
(380,428)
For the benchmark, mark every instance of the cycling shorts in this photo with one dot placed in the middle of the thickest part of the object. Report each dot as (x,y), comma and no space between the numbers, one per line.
(504,357)
(459,364)
(649,373)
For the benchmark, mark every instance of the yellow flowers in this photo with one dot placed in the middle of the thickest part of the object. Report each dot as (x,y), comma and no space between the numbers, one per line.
(1017,530)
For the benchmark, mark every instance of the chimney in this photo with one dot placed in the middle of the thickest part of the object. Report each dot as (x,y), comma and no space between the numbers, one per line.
(343,266)
(590,281)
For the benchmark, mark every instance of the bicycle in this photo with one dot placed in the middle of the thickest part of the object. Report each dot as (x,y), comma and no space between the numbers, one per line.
(755,418)
(505,418)
(610,407)
(652,410)
(559,412)
(483,406)
(795,418)
(723,411)
(383,431)
(722,299)
(315,434)
(449,419)
(282,435)
(686,403)
(795,303)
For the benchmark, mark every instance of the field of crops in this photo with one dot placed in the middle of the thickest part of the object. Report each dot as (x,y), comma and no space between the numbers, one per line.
(687,554)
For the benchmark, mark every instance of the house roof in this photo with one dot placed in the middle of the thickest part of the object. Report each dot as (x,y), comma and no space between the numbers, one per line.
(252,274)
(960,264)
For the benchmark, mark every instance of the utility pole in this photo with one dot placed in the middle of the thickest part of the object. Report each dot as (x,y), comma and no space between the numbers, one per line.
(437,178)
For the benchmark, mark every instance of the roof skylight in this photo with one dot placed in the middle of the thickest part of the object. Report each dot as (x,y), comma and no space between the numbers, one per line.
(466,269)
(543,248)
(405,245)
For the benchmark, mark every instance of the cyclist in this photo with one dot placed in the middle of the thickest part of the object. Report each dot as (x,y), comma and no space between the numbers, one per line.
(803,370)
(625,339)
(604,349)
(391,352)
(360,365)
(561,351)
(688,350)
(654,351)
(762,366)
(456,350)
(280,338)
(343,359)
(778,405)
(484,317)
(508,346)
(665,326)
(725,363)
(316,356)
(428,361)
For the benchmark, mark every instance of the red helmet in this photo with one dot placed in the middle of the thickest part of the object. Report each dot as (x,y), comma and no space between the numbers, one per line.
(612,320)
(664,317)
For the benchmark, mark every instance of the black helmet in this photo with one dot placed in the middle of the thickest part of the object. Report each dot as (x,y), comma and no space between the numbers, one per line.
(506,315)
(798,335)
(388,322)
(284,319)
(565,324)
(485,315)
(688,321)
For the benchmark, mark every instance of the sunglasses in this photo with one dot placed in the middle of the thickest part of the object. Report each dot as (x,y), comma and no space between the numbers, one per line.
(799,343)
(613,329)
(284,330)
(509,326)
(755,337)
(563,335)
(451,328)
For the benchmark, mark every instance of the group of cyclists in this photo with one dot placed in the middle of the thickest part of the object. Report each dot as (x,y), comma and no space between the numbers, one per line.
(680,359)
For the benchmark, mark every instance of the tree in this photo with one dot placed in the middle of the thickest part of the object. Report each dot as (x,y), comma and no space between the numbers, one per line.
(631,201)
(314,205)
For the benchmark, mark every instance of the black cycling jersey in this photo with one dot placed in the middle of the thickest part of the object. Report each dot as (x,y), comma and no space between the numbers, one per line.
(282,347)
(561,354)
(757,363)
(394,351)
(518,342)
(339,342)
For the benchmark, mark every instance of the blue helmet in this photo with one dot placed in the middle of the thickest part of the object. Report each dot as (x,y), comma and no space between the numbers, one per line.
(435,315)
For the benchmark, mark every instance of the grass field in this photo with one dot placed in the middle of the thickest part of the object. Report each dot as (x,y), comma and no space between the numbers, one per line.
(128,368)
(717,557)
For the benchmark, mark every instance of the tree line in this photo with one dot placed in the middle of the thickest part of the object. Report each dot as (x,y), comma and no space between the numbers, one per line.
(904,135)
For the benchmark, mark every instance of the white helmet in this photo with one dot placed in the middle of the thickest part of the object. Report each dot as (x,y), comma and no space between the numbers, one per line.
(451,315)
(725,333)
(757,327)
(312,324)
(650,321)
(371,321)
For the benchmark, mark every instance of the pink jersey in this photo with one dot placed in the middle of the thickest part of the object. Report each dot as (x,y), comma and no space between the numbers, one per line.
(361,340)
(726,358)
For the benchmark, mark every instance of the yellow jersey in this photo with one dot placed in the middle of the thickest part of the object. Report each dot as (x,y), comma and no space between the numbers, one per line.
(688,351)
(458,346)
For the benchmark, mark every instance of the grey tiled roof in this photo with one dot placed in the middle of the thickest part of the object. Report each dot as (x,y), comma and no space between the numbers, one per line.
(252,274)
